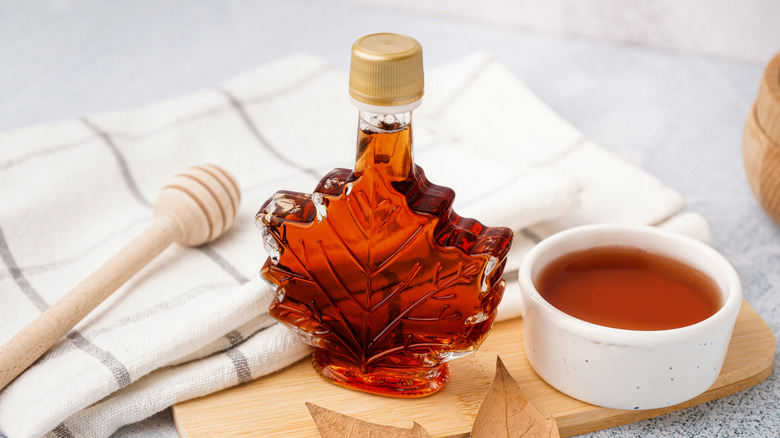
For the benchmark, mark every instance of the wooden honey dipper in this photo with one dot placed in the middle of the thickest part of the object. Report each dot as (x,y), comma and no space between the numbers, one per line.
(195,207)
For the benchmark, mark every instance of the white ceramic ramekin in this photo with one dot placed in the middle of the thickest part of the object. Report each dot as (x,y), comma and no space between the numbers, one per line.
(627,369)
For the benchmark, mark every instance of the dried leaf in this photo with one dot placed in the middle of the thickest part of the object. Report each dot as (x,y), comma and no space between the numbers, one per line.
(334,425)
(506,412)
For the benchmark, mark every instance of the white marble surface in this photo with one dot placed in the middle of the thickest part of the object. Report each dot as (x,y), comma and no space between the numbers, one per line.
(745,29)
(677,115)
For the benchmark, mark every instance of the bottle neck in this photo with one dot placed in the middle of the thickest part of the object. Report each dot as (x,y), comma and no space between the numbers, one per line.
(384,144)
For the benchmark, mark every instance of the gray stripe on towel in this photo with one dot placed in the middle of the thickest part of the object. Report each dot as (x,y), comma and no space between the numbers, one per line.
(133,187)
(530,235)
(119,371)
(240,364)
(75,257)
(19,278)
(234,338)
(123,167)
(239,107)
(308,79)
(224,264)
(165,306)
(62,431)
(30,155)
(190,118)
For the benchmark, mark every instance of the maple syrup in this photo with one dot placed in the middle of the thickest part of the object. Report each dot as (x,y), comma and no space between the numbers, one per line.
(374,268)
(628,288)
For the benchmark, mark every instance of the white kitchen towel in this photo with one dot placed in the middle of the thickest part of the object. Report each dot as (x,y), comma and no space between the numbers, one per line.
(195,320)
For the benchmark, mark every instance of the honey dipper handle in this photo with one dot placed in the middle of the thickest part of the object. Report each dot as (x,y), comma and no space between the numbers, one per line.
(41,334)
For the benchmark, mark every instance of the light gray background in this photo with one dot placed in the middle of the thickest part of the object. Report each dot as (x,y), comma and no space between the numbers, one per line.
(677,112)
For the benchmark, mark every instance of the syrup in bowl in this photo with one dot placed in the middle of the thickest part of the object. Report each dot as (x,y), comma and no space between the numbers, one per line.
(628,288)
(627,317)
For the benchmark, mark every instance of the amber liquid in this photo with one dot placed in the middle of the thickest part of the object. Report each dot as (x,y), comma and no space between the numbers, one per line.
(628,288)
(381,275)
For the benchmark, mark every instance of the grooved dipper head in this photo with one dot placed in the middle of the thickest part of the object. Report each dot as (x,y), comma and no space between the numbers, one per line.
(202,200)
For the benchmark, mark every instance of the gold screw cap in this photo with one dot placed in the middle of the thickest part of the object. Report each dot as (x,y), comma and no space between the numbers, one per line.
(386,70)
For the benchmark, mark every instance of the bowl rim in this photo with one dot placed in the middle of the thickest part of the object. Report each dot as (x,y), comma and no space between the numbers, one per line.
(722,319)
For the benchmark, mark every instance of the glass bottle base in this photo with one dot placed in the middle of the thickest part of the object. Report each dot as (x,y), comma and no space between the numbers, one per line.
(393,382)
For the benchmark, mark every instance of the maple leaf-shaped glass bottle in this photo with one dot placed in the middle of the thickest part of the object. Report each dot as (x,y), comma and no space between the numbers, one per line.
(374,268)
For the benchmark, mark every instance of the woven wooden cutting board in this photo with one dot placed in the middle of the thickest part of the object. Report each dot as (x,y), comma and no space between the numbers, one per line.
(274,406)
